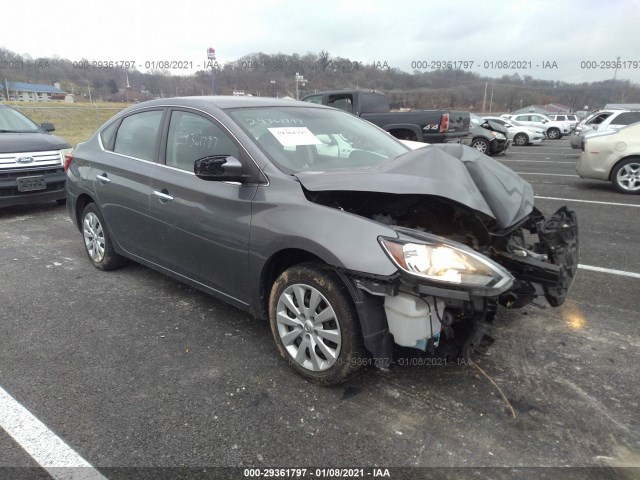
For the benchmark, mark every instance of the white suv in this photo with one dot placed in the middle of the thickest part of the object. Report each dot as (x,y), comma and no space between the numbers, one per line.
(553,129)
(569,118)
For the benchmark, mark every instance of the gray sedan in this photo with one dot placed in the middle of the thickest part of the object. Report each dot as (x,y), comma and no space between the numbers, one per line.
(346,240)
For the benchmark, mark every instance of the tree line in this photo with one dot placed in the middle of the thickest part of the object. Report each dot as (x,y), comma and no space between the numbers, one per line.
(262,74)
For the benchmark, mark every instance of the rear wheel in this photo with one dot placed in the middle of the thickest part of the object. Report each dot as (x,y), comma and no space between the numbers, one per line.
(97,242)
(521,139)
(553,134)
(481,145)
(626,176)
(315,325)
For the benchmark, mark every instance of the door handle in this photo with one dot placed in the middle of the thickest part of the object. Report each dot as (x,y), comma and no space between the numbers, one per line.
(103,178)
(163,196)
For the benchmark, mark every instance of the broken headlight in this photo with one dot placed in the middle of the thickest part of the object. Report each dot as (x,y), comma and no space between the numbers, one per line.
(444,262)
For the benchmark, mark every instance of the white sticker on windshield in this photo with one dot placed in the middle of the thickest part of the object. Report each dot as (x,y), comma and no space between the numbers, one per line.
(294,136)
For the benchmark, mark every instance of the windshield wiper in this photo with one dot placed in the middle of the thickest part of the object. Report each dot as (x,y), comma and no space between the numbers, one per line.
(13,131)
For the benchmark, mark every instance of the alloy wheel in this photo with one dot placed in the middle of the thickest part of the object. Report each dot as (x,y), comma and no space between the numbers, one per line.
(308,327)
(93,237)
(628,177)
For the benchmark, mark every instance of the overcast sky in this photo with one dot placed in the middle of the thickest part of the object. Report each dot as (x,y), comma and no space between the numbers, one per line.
(534,33)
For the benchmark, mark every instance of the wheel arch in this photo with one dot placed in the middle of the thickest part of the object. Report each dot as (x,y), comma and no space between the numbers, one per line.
(275,265)
(404,129)
(615,165)
(82,201)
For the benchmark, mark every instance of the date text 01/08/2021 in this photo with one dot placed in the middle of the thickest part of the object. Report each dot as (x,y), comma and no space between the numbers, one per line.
(316,472)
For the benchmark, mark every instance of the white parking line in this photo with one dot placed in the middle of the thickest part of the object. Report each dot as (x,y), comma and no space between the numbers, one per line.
(609,270)
(588,201)
(535,161)
(44,446)
(546,174)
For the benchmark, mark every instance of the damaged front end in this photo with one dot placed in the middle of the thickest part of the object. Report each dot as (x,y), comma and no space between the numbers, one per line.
(459,256)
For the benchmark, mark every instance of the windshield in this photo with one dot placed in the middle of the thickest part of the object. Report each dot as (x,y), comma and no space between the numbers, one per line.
(12,121)
(299,139)
(475,119)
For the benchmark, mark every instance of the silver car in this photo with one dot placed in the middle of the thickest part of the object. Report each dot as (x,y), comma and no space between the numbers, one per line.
(518,133)
(347,241)
(603,122)
(613,156)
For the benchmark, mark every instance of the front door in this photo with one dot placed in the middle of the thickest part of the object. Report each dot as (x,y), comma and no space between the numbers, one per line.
(202,226)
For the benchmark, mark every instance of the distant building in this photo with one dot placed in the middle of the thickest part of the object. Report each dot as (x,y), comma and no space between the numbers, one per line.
(545,109)
(129,95)
(32,92)
(532,109)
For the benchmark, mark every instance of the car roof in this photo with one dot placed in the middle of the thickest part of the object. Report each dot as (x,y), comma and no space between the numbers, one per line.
(214,104)
(224,101)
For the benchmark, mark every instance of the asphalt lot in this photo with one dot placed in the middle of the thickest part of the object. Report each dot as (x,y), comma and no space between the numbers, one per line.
(133,369)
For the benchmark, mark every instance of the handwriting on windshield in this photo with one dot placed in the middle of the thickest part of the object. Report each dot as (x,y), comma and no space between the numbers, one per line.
(251,122)
(196,139)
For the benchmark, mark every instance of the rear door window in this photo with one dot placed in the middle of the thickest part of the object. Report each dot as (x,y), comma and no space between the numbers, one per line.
(138,135)
(626,118)
(343,102)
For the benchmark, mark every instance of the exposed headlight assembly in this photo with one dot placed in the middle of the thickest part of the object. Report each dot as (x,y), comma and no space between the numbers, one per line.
(498,135)
(446,263)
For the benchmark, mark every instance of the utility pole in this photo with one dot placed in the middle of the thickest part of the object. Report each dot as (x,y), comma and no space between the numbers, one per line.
(484,99)
(615,74)
(211,55)
(299,79)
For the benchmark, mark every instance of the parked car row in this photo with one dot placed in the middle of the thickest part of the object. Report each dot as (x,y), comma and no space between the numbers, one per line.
(518,133)
(553,129)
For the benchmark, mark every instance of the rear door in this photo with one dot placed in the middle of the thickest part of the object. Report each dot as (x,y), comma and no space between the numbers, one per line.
(121,176)
(202,226)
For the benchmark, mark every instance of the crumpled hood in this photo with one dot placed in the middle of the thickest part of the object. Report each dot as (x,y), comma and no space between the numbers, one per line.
(30,142)
(496,127)
(452,171)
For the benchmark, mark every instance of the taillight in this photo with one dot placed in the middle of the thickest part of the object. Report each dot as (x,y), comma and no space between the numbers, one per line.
(68,158)
(444,123)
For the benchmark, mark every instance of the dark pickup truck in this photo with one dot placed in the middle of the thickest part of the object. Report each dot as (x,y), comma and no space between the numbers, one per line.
(431,126)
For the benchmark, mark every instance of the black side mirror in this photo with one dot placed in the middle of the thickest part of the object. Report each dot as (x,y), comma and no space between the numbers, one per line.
(48,127)
(221,168)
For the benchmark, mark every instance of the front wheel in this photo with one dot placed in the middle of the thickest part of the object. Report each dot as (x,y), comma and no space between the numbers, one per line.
(315,325)
(553,134)
(97,242)
(626,176)
(521,139)
(481,145)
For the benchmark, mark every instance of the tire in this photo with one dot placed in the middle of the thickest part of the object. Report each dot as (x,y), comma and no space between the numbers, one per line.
(97,242)
(626,176)
(521,139)
(553,134)
(481,145)
(337,352)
